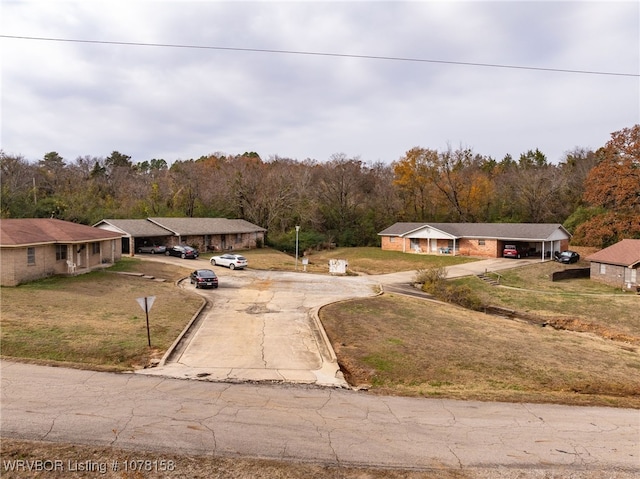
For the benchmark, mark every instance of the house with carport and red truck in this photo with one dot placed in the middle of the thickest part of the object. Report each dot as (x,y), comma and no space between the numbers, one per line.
(485,240)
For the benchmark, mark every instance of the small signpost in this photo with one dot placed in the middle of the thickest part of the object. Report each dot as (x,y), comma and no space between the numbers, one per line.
(146,303)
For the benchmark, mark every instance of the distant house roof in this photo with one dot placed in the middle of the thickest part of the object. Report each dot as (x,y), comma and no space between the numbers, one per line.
(624,253)
(512,231)
(137,228)
(20,232)
(204,226)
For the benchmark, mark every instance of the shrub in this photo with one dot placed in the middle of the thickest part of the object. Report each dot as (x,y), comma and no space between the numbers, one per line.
(431,278)
(434,282)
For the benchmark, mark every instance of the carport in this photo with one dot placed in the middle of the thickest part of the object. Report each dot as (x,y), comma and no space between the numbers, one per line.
(136,233)
(475,239)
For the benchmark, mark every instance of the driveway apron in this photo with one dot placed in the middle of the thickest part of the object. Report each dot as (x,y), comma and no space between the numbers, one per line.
(263,326)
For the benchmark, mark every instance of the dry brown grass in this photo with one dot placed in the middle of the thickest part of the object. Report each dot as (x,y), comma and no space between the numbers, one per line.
(94,320)
(363,260)
(196,467)
(578,304)
(398,345)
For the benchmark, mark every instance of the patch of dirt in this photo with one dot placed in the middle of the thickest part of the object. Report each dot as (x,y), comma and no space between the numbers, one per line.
(581,326)
(577,325)
(68,461)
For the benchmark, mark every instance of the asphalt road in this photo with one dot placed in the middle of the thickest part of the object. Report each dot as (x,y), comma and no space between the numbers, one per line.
(310,423)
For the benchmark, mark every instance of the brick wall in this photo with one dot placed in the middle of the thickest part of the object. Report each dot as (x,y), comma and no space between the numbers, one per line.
(473,247)
(17,270)
(613,275)
(392,243)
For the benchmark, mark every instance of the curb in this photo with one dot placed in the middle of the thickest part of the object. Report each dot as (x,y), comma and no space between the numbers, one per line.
(170,351)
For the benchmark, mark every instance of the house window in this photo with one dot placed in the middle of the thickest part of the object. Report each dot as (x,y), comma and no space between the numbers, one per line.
(239,238)
(392,239)
(481,242)
(95,248)
(61,252)
(31,256)
(603,268)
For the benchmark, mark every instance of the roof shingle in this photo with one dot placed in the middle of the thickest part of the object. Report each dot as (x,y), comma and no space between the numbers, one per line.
(31,231)
(205,226)
(512,231)
(624,253)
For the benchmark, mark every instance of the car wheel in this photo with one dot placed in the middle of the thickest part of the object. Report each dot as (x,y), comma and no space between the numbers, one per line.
(168,253)
(153,251)
(139,251)
(213,262)
(232,266)
(183,256)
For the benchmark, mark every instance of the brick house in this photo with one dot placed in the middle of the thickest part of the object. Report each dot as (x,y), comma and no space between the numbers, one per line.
(205,234)
(34,248)
(474,239)
(617,265)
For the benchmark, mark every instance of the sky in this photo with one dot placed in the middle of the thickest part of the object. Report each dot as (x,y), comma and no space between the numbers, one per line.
(178,80)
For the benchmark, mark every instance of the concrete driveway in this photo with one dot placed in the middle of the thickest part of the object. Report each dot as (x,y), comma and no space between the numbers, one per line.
(263,326)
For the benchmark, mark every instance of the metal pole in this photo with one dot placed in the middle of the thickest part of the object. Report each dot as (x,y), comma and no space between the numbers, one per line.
(297,230)
(146,311)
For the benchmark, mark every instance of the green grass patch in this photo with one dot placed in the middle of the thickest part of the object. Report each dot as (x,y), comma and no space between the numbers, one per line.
(364,260)
(94,320)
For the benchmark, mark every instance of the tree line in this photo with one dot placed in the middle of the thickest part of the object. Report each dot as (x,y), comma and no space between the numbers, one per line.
(595,194)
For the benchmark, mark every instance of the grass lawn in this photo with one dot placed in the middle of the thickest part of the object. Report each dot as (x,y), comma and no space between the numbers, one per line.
(94,320)
(364,260)
(531,290)
(399,345)
(390,344)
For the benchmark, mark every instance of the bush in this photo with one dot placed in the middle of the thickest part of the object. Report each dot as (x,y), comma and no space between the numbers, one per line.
(431,278)
(434,282)
(461,295)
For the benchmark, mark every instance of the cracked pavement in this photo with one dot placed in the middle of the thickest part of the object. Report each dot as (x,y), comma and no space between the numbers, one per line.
(263,326)
(310,423)
(260,329)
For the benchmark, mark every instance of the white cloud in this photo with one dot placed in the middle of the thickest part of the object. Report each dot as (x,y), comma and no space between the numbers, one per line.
(177,103)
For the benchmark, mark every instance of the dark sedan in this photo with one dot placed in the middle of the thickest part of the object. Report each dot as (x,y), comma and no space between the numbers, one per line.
(567,257)
(183,252)
(204,278)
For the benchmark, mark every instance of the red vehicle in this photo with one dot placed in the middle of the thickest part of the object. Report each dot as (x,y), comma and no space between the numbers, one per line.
(515,251)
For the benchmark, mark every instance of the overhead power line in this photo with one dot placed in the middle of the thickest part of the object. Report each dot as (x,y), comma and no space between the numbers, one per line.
(323,54)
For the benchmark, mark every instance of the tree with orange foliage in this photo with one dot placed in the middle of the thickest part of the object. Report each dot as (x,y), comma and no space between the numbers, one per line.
(614,184)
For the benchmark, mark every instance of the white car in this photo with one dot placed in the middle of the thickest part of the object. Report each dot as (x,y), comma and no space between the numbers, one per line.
(231,261)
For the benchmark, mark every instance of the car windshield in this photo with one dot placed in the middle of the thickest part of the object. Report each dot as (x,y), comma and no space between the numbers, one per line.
(205,273)
(566,253)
